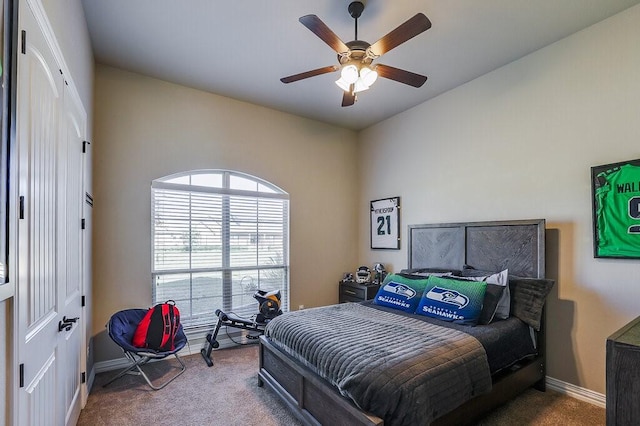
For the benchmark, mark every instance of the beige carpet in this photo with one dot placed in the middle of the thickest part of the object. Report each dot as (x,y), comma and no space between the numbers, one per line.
(227,394)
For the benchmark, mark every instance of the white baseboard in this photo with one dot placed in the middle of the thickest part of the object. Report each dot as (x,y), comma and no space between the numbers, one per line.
(111,364)
(192,348)
(576,392)
(92,378)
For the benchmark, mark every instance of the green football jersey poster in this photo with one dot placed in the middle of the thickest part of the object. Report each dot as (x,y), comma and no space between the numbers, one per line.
(616,209)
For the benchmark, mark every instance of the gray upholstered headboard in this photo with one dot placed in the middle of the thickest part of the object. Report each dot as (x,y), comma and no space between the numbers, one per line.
(488,246)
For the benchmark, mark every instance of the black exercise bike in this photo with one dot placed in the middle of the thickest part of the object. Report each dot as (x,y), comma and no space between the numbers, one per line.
(268,308)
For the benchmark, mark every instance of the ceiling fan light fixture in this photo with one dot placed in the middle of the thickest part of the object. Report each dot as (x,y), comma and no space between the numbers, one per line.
(355,57)
(343,84)
(349,73)
(360,86)
(368,76)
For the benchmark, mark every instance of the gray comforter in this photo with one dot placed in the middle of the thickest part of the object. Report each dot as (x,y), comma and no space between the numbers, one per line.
(401,369)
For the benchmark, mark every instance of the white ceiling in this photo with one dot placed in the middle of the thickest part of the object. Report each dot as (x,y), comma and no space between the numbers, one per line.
(241,48)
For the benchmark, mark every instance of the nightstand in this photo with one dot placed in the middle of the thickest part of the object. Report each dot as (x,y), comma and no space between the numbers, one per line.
(351,291)
(623,376)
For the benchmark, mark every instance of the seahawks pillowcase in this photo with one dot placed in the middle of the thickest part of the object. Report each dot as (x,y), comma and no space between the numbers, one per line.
(401,292)
(452,300)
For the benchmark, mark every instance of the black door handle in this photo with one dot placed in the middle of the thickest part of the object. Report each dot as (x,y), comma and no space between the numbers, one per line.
(64,326)
(66,323)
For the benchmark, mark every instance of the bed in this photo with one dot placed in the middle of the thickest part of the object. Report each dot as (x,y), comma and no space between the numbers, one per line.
(300,370)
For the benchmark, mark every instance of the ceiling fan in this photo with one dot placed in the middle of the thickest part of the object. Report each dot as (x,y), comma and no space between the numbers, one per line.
(356,57)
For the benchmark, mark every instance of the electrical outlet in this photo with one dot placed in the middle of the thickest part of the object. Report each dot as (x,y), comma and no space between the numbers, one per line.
(300,307)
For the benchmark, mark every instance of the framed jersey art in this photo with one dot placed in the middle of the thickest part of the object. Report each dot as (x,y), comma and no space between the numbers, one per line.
(385,223)
(616,209)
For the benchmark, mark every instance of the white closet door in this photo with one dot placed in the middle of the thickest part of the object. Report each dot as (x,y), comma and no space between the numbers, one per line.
(48,287)
(70,244)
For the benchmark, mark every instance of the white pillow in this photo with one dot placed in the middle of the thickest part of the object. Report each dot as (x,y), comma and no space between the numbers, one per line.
(502,279)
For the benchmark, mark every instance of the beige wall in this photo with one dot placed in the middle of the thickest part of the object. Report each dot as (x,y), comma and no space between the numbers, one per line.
(518,143)
(147,128)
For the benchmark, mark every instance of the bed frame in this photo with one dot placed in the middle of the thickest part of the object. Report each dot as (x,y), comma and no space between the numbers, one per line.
(488,246)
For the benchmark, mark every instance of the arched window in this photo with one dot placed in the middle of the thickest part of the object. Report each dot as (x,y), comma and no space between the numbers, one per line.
(218,236)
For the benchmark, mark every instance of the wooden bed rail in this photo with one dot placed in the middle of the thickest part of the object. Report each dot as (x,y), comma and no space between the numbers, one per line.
(310,398)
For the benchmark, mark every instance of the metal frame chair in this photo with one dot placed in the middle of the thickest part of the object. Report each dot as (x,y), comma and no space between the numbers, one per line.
(121,327)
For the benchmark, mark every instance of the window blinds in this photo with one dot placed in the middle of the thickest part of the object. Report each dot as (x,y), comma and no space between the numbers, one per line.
(214,247)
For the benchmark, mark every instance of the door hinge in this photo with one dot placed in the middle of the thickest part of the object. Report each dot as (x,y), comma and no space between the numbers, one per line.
(21,375)
(82,224)
(83,377)
(83,301)
(22,207)
(84,146)
(24,42)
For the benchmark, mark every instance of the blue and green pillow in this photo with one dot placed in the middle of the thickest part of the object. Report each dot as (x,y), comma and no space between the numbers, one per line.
(452,300)
(402,292)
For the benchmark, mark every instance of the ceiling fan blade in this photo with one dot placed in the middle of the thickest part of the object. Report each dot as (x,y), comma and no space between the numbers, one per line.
(307,74)
(348,98)
(320,29)
(401,76)
(411,28)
